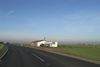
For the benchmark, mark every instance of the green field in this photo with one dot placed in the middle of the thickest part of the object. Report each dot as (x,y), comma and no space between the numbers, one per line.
(90,51)
(1,46)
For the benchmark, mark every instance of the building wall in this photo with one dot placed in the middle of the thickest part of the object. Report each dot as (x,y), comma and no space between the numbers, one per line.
(54,44)
(50,44)
(39,43)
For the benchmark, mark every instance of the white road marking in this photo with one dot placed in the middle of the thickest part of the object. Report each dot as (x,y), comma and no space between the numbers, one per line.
(38,57)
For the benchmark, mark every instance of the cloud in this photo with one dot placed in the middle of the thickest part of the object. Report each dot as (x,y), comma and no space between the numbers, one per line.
(10,12)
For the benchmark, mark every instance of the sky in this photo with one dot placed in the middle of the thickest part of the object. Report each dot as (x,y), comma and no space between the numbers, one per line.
(59,20)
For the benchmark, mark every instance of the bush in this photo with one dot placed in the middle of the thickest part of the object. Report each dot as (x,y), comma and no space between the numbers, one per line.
(1,42)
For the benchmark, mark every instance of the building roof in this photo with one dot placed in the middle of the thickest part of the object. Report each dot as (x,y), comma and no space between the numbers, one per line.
(37,41)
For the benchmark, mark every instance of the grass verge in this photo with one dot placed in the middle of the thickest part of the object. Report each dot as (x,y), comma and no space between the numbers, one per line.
(1,46)
(86,51)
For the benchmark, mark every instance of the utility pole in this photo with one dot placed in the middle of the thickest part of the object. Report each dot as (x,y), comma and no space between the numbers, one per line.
(44,38)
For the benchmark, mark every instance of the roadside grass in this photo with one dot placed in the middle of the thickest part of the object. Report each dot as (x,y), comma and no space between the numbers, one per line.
(87,51)
(1,46)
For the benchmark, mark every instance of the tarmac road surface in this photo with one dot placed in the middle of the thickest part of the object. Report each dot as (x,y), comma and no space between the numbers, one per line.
(28,57)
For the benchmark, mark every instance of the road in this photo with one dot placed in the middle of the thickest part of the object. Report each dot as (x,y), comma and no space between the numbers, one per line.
(28,57)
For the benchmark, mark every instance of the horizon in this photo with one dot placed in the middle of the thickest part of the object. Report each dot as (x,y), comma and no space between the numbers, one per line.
(57,20)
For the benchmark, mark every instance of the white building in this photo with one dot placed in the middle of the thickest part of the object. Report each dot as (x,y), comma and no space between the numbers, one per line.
(44,43)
